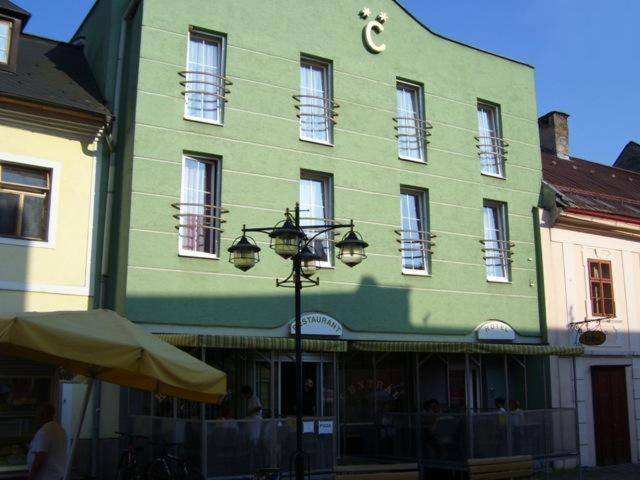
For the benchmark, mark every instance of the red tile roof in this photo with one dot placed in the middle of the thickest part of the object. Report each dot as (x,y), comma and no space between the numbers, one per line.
(592,186)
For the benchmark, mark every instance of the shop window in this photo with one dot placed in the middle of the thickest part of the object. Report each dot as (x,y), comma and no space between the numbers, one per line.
(491,147)
(497,248)
(205,84)
(415,240)
(316,209)
(24,201)
(200,211)
(601,288)
(316,106)
(412,129)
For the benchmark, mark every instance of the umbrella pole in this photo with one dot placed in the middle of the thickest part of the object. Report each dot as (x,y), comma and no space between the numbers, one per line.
(76,435)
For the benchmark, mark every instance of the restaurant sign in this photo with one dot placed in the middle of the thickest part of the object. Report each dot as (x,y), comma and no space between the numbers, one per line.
(318,325)
(592,338)
(497,331)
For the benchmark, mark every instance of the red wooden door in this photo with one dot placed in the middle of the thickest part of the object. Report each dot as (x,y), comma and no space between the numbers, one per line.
(610,415)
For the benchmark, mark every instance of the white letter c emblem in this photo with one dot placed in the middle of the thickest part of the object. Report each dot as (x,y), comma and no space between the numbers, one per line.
(368,36)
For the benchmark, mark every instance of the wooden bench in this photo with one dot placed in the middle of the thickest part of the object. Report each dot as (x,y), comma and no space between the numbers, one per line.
(391,471)
(498,468)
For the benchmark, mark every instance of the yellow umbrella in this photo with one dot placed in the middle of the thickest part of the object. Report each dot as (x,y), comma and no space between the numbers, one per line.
(101,344)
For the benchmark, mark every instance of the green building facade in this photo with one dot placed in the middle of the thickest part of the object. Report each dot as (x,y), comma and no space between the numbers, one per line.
(229,112)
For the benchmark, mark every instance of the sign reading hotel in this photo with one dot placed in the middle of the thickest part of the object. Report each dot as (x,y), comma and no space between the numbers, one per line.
(318,325)
(496,331)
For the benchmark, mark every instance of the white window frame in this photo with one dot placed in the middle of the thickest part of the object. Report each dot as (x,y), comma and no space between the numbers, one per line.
(419,91)
(328,81)
(7,46)
(497,119)
(327,185)
(217,170)
(502,219)
(222,59)
(424,220)
(54,192)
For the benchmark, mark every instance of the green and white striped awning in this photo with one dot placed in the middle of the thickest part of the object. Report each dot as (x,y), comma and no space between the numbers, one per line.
(252,343)
(461,347)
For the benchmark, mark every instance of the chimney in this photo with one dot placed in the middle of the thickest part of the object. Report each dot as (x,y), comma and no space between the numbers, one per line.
(629,159)
(554,134)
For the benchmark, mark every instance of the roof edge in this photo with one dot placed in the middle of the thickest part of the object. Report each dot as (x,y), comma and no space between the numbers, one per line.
(419,22)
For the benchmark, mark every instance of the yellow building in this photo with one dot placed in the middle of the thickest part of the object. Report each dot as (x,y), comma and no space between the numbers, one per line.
(52,121)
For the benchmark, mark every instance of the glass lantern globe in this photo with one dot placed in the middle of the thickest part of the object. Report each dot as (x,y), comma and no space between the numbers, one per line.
(352,249)
(285,240)
(244,254)
(309,262)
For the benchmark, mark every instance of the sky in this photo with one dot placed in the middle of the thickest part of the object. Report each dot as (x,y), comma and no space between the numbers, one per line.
(586,54)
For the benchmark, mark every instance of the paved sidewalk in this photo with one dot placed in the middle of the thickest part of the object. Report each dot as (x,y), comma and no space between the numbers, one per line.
(615,472)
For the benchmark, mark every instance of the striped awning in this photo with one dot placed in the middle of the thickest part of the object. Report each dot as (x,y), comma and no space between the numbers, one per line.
(252,343)
(461,347)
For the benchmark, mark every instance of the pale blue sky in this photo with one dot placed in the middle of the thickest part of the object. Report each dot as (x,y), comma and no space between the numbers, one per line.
(586,54)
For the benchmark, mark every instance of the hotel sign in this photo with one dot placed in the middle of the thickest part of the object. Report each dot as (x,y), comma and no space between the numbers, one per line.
(497,331)
(318,325)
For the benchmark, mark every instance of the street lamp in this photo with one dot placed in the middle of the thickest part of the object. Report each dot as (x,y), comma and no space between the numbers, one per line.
(289,240)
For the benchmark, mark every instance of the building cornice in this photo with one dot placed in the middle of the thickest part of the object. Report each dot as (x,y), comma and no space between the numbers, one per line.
(600,223)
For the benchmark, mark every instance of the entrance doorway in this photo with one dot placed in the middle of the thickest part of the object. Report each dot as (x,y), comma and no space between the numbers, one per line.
(288,397)
(610,415)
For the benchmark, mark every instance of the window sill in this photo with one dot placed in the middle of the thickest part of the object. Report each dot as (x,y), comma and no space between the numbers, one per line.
(319,142)
(23,242)
(202,120)
(416,273)
(414,160)
(493,175)
(201,255)
(498,280)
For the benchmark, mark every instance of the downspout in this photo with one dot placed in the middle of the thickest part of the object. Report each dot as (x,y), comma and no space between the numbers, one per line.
(112,143)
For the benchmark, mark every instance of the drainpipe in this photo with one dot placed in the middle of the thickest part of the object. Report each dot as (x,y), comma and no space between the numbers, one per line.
(112,143)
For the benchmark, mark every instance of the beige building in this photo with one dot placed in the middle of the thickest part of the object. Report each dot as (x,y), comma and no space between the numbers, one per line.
(590,239)
(51,121)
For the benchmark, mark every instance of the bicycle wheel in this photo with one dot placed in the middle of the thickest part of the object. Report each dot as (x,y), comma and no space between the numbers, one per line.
(159,470)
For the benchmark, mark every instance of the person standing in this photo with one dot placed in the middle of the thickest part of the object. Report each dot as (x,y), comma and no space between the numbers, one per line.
(47,457)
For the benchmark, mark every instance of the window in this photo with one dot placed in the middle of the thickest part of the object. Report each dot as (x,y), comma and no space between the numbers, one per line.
(24,201)
(316,208)
(200,208)
(6,28)
(316,103)
(205,83)
(601,288)
(496,245)
(414,237)
(490,144)
(411,125)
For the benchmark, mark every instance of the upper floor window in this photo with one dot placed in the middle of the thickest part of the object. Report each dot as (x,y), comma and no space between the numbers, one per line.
(24,201)
(411,126)
(415,239)
(491,147)
(205,84)
(497,248)
(200,209)
(316,105)
(6,28)
(316,208)
(601,288)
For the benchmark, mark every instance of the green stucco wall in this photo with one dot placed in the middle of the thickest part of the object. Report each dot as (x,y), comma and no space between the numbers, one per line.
(262,158)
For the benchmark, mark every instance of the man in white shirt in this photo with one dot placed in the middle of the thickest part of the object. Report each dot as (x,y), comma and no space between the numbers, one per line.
(47,455)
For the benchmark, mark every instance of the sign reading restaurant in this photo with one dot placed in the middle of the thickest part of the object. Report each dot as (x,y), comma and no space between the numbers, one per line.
(318,325)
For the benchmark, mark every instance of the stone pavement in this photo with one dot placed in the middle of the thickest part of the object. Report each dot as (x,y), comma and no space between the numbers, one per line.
(614,472)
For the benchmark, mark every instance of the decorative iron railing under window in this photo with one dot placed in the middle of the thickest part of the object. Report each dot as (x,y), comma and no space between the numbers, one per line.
(415,246)
(412,132)
(316,114)
(199,226)
(497,253)
(492,152)
(207,88)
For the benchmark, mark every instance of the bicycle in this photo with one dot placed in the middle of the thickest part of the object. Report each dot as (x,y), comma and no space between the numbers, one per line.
(128,466)
(169,466)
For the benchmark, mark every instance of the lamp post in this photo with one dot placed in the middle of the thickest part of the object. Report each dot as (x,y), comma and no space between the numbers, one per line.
(289,240)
